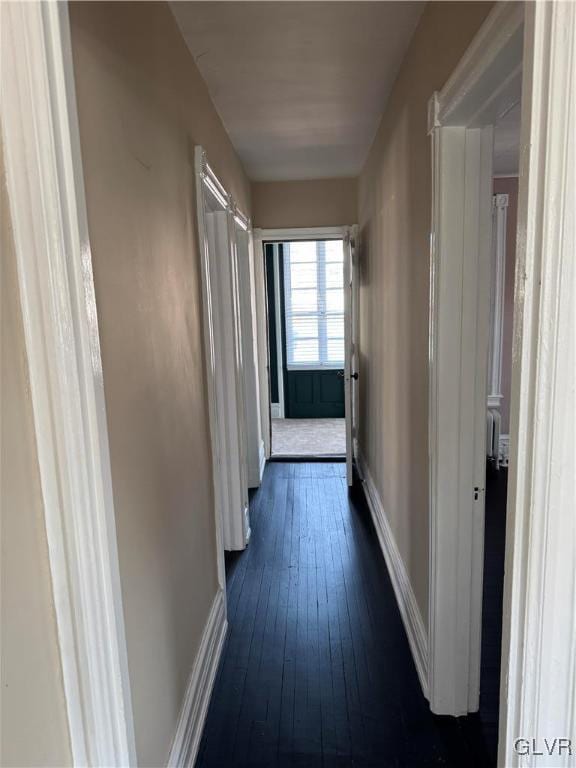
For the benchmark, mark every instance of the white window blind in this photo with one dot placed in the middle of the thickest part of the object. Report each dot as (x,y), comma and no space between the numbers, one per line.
(314,304)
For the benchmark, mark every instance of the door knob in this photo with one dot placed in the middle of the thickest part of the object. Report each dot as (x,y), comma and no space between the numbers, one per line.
(354,376)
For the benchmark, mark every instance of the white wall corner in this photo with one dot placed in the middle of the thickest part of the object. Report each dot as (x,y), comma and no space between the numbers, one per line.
(199,689)
(405,597)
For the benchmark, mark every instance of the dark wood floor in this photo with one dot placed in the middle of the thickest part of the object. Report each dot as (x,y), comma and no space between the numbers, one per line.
(317,670)
(494,549)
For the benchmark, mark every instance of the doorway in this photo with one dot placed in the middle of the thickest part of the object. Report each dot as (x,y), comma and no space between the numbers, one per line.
(466,353)
(220,228)
(305,299)
(501,299)
(308,372)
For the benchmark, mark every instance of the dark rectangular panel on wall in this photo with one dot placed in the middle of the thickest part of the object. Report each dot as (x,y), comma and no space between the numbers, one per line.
(331,385)
(303,389)
(314,394)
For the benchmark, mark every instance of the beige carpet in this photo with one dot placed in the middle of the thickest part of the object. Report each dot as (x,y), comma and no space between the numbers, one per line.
(308,437)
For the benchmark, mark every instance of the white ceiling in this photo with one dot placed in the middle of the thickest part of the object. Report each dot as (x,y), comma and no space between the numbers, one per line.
(300,86)
(507,143)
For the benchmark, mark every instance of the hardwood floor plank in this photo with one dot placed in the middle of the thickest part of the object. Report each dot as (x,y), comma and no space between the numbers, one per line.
(317,671)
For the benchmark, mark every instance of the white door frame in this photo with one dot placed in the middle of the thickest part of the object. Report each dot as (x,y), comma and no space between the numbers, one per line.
(225,392)
(285,234)
(254,444)
(281,412)
(236,220)
(351,347)
(539,615)
(54,269)
(484,85)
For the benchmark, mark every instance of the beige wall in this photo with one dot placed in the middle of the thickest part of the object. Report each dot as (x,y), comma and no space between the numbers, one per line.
(317,203)
(508,186)
(394,216)
(33,723)
(142,108)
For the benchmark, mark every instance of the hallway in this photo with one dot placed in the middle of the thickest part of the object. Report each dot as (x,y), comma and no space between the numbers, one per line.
(317,670)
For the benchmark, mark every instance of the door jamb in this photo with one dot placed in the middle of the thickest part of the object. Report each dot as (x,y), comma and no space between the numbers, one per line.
(539,612)
(460,120)
(54,270)
(206,177)
(538,639)
(279,336)
(262,236)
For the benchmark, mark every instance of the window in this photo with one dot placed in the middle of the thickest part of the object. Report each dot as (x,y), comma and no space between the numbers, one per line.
(314,304)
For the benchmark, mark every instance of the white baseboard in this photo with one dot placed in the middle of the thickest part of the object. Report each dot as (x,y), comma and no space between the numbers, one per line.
(409,610)
(199,689)
(276,410)
(262,455)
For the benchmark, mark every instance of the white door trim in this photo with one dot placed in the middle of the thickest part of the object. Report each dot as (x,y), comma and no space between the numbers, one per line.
(301,233)
(262,345)
(261,237)
(280,414)
(539,616)
(539,612)
(475,94)
(225,392)
(483,86)
(460,268)
(209,353)
(48,209)
(350,346)
(248,319)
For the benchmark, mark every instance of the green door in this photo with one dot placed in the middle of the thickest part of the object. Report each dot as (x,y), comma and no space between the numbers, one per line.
(314,394)
(309,393)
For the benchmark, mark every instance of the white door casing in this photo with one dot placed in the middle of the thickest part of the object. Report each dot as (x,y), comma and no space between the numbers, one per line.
(538,679)
(278,409)
(230,469)
(237,364)
(485,84)
(262,236)
(45,185)
(355,319)
(223,359)
(350,347)
(459,328)
(262,344)
(254,446)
